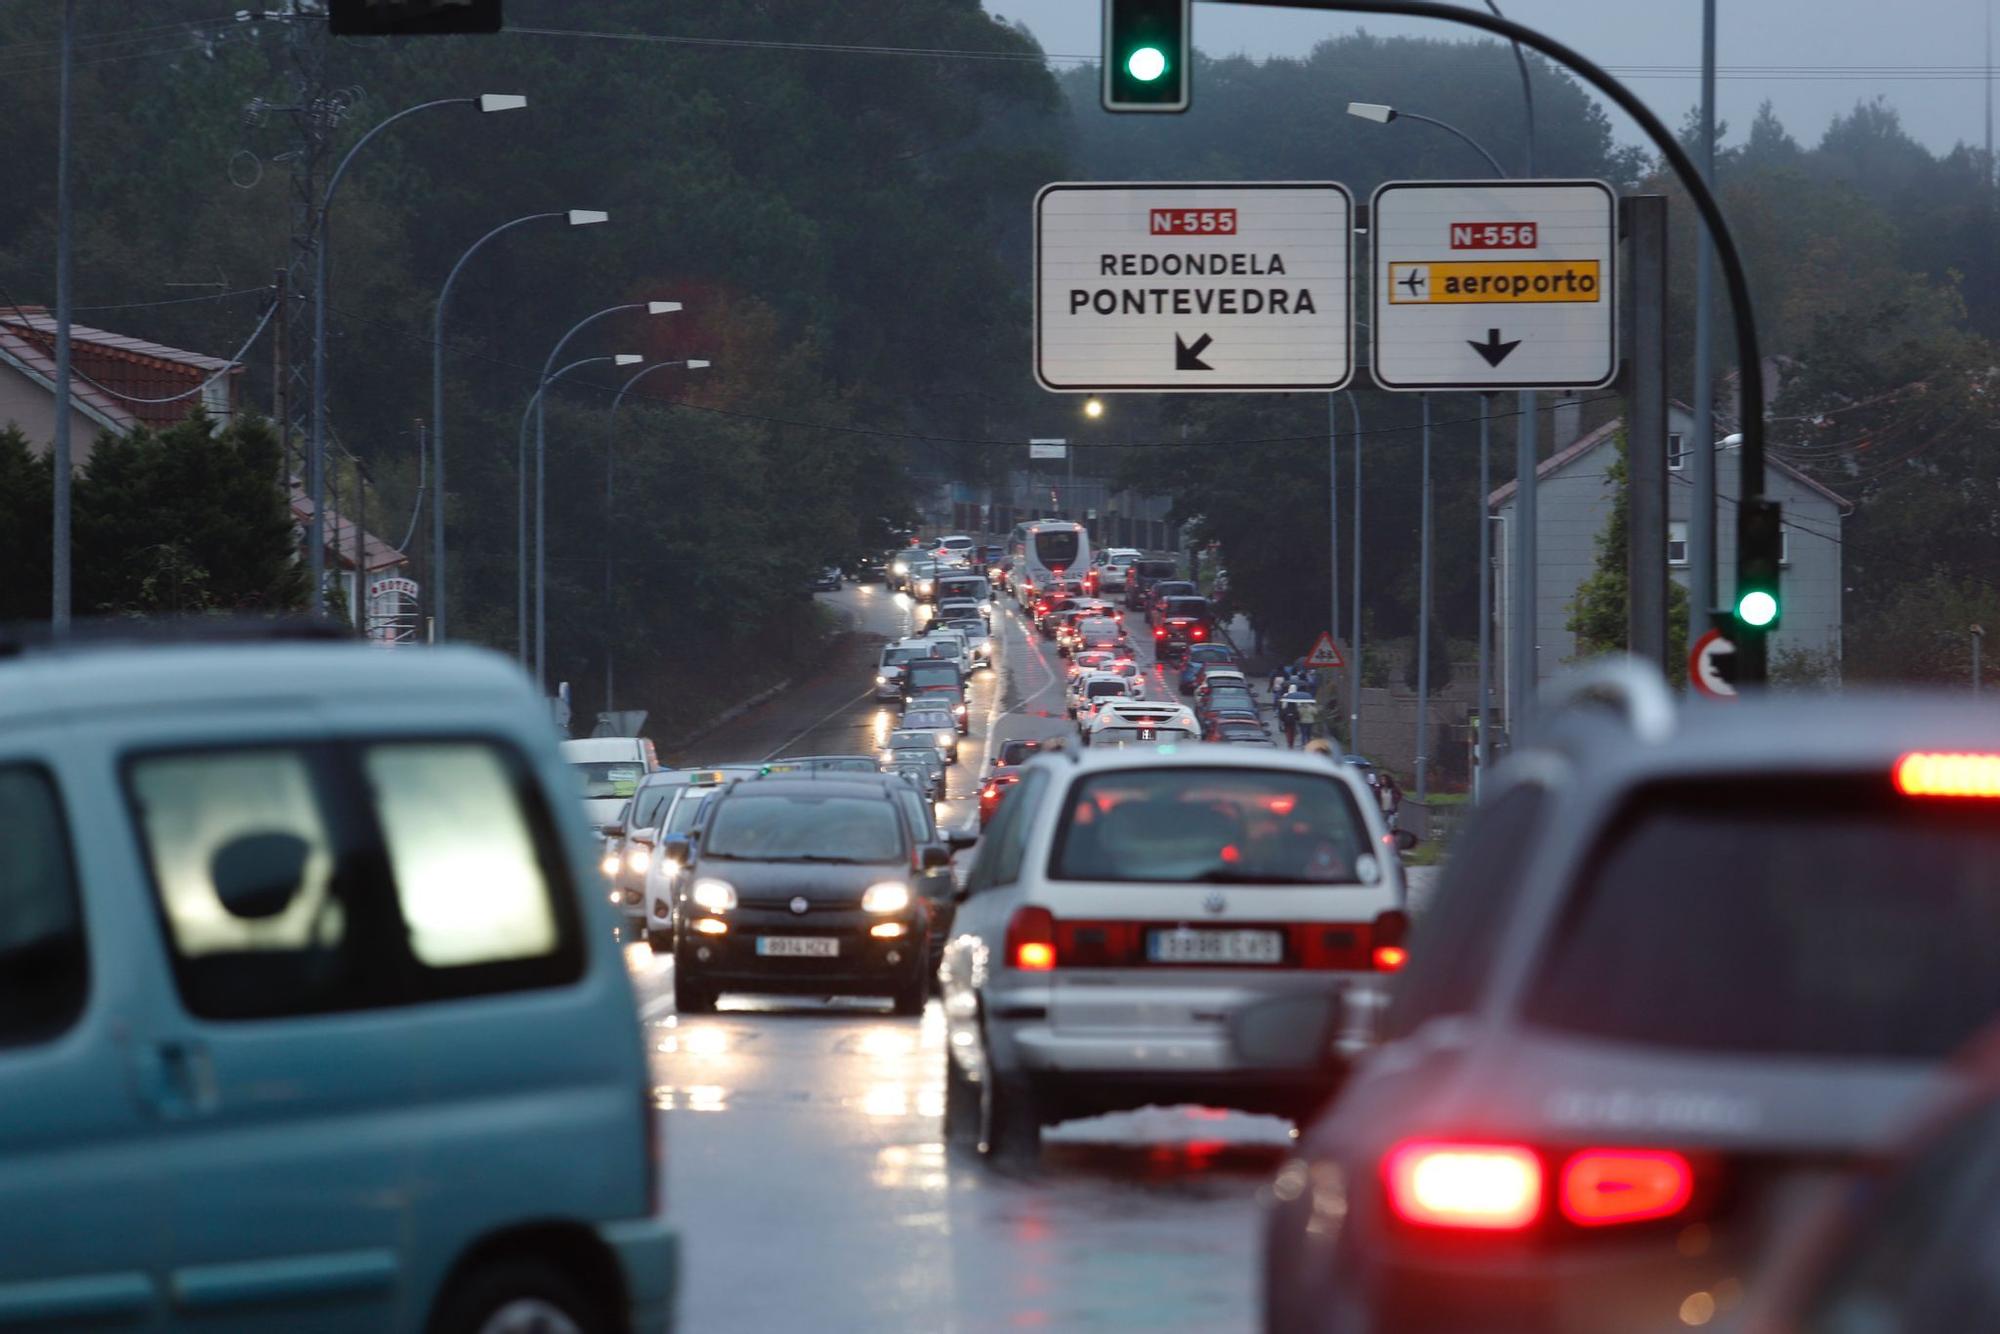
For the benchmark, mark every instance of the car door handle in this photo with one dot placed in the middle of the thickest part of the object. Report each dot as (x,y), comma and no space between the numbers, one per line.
(180,1079)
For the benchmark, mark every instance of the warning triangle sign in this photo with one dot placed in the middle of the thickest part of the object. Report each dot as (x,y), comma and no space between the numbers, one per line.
(1326,653)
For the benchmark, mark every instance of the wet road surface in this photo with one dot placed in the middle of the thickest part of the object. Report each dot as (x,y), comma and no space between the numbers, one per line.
(806,1169)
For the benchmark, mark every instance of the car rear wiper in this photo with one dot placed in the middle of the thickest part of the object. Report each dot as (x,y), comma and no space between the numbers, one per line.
(1230,875)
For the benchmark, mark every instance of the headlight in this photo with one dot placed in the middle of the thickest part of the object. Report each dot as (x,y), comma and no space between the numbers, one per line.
(713,895)
(889,896)
(637,859)
(609,865)
(961,709)
(881,680)
(947,738)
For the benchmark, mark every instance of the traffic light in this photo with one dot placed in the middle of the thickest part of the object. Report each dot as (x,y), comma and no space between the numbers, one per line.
(1146,50)
(1759,548)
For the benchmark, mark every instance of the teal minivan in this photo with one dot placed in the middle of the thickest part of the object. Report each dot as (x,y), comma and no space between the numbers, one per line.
(311,1016)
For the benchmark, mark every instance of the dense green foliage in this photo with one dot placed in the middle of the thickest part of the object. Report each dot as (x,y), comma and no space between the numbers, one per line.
(1600,613)
(849,233)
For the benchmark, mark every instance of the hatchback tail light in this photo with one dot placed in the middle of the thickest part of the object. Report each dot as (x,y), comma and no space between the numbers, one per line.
(1389,952)
(1482,1187)
(1031,940)
(1603,1186)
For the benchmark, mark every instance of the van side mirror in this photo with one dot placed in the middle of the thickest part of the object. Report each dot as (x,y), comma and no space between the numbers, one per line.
(935,856)
(616,829)
(1286,1032)
(1406,839)
(675,847)
(961,838)
(258,875)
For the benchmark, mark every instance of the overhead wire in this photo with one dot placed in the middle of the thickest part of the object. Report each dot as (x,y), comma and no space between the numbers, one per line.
(234,362)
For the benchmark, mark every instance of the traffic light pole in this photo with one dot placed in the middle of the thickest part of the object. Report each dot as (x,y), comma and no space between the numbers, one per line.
(1756,516)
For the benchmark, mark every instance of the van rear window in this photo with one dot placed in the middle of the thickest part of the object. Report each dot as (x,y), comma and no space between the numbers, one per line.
(1812,917)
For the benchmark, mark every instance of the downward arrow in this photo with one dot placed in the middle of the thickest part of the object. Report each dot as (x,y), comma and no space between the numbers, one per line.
(1493,349)
(1189,358)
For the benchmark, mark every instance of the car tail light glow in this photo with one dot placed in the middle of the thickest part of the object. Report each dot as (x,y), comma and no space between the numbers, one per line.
(1483,1187)
(1936,774)
(1199,633)
(1603,1186)
(1389,958)
(1391,929)
(1031,939)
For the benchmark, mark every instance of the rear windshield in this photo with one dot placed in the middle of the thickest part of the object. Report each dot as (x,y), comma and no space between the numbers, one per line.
(927,674)
(1093,689)
(1125,736)
(805,828)
(1187,606)
(975,588)
(1154,569)
(614,779)
(1098,628)
(1806,917)
(1212,826)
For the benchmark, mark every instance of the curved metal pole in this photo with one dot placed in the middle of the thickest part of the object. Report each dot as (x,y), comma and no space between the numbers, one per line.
(1463,137)
(1749,349)
(316,459)
(1354,610)
(531,413)
(610,529)
(1527,92)
(541,489)
(437,421)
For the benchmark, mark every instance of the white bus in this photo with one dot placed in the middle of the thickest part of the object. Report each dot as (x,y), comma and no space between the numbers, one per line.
(1044,549)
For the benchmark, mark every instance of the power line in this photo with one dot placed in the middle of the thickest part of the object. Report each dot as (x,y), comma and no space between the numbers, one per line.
(177,300)
(233,362)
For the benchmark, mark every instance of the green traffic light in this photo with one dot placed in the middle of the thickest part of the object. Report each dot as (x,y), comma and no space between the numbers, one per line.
(1757,608)
(1146,64)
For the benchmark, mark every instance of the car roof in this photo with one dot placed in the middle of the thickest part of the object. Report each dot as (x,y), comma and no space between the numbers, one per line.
(1092,760)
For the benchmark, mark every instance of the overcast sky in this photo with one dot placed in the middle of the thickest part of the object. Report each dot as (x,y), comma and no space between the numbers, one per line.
(1640,37)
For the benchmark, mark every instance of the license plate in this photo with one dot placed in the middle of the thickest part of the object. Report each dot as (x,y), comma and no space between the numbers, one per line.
(1190,946)
(799,947)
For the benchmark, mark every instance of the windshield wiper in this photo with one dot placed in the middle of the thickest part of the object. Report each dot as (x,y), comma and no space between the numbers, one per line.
(817,857)
(1229,875)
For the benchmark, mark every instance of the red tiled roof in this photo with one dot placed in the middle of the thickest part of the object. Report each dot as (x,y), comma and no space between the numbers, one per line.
(130,366)
(339,533)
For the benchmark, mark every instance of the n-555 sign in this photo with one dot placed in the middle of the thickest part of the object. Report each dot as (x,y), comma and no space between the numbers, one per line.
(1196,288)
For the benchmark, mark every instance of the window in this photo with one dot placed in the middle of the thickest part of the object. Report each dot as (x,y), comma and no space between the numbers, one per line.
(1212,826)
(311,879)
(1677,544)
(802,828)
(1005,846)
(44,964)
(1813,917)
(1676,458)
(1452,948)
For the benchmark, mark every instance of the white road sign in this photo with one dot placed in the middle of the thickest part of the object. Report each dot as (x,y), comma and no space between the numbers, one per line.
(1048,449)
(1494,284)
(1194,288)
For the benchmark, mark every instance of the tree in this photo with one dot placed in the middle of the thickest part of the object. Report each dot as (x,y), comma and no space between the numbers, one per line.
(26,486)
(186,519)
(1440,656)
(1600,615)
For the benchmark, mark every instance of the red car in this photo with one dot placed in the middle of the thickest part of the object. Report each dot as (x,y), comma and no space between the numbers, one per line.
(994,790)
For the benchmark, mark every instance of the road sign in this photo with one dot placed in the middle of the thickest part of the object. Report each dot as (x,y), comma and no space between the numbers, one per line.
(1705,670)
(1048,449)
(1194,288)
(1326,653)
(1495,284)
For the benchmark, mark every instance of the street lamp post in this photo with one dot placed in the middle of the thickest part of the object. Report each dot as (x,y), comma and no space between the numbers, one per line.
(610,528)
(521,493)
(541,472)
(576,217)
(1354,608)
(322,243)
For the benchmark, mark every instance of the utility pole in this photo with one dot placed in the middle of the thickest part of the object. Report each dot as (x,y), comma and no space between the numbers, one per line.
(280,293)
(1332,519)
(1483,747)
(1645,218)
(59,591)
(1424,618)
(1701,472)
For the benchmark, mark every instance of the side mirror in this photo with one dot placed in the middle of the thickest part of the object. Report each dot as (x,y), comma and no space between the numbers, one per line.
(676,847)
(258,875)
(1286,1032)
(935,856)
(961,838)
(644,838)
(1406,839)
(616,829)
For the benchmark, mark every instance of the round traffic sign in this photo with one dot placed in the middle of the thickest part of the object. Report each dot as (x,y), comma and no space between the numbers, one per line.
(1704,671)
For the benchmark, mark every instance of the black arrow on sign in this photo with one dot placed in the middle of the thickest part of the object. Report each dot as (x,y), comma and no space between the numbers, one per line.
(1189,358)
(1493,349)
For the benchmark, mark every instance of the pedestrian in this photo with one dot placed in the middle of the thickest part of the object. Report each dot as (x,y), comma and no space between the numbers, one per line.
(1278,683)
(1288,716)
(1308,718)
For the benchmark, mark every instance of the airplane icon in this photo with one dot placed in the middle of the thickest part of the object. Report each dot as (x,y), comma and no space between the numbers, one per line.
(1414,280)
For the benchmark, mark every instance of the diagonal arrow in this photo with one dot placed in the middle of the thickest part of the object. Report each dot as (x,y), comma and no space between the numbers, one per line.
(1493,349)
(1189,358)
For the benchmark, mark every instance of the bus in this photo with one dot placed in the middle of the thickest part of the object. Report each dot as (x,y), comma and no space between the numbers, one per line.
(1043,549)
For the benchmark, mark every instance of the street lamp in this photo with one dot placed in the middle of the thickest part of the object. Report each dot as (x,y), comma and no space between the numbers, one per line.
(576,217)
(1382,115)
(610,529)
(541,471)
(521,493)
(323,242)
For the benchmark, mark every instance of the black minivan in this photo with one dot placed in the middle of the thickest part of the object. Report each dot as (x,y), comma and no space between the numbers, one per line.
(1139,580)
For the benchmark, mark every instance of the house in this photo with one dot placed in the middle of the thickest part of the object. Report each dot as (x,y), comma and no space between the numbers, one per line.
(1573,502)
(358,560)
(116,382)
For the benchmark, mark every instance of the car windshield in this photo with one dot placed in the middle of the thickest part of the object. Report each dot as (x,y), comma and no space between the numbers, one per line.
(938,719)
(804,828)
(612,779)
(648,803)
(686,811)
(1798,916)
(1212,825)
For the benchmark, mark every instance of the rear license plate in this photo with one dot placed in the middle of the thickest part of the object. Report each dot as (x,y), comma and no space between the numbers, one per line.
(1187,945)
(796,947)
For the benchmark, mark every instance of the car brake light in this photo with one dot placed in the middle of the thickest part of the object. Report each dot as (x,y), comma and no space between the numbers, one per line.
(1934,774)
(1031,939)
(1159,632)
(1603,1186)
(1389,953)
(1486,1187)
